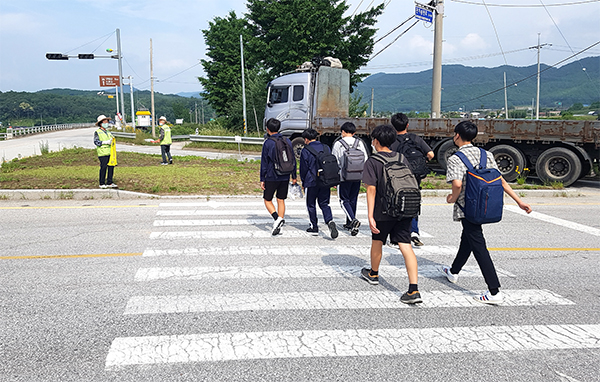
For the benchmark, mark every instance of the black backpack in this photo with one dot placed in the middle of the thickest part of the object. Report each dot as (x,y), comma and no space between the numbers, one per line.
(328,173)
(407,146)
(400,196)
(285,160)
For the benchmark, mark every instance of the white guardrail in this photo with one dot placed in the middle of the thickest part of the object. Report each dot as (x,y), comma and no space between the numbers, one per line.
(20,131)
(204,138)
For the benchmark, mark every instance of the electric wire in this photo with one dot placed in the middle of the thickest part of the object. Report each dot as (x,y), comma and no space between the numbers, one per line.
(528,5)
(396,39)
(356,9)
(185,70)
(526,78)
(393,30)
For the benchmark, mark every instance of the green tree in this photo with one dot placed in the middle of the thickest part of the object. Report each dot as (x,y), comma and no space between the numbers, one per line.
(356,107)
(181,111)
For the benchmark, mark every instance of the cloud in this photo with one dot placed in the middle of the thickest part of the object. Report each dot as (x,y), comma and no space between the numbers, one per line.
(473,41)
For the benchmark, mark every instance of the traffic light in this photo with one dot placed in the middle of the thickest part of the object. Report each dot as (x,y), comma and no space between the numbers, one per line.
(56,56)
(85,56)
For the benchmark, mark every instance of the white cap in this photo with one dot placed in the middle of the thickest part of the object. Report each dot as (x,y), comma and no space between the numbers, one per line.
(101,118)
(163,118)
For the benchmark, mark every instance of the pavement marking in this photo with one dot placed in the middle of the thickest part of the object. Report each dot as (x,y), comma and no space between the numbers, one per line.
(353,250)
(257,212)
(73,207)
(557,221)
(322,300)
(544,249)
(277,272)
(286,233)
(217,347)
(70,256)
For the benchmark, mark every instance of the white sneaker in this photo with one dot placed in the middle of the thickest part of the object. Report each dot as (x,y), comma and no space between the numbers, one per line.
(451,277)
(103,186)
(277,224)
(487,298)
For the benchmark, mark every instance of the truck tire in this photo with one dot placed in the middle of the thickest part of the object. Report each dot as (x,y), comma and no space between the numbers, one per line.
(558,164)
(297,146)
(443,153)
(510,161)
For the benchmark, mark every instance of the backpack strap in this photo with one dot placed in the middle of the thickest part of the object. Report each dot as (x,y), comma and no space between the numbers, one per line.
(483,159)
(343,143)
(380,158)
(355,145)
(314,152)
(465,160)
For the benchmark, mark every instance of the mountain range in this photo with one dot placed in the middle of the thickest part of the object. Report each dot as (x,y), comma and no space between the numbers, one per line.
(479,87)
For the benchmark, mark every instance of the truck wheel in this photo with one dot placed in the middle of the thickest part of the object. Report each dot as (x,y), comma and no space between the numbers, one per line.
(297,146)
(510,161)
(558,164)
(443,153)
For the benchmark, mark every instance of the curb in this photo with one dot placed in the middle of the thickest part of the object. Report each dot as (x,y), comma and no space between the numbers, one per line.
(93,194)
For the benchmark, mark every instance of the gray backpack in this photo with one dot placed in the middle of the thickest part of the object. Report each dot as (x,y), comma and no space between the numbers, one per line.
(353,161)
(400,195)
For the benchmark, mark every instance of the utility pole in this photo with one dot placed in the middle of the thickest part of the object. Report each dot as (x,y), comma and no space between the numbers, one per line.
(243,82)
(372,99)
(538,47)
(436,87)
(132,106)
(120,58)
(152,93)
(505,99)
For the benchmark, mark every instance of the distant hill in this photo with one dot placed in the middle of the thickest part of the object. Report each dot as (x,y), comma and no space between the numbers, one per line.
(190,94)
(461,86)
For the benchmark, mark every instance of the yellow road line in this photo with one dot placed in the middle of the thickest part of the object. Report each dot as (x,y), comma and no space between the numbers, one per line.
(73,207)
(543,249)
(70,256)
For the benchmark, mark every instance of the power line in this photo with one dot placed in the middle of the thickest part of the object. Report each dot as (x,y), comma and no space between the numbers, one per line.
(396,39)
(528,5)
(393,30)
(185,70)
(526,78)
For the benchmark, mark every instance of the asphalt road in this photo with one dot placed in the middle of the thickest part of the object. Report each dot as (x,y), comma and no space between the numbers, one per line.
(196,289)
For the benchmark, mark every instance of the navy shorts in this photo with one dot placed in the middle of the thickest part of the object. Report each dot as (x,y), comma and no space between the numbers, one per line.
(280,186)
(398,231)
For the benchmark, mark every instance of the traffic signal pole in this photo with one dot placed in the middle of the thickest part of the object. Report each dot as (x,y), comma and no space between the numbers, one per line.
(120,56)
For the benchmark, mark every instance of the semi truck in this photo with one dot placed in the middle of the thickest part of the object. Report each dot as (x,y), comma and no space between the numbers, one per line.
(318,97)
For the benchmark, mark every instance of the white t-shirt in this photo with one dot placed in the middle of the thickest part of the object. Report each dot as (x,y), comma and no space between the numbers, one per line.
(338,150)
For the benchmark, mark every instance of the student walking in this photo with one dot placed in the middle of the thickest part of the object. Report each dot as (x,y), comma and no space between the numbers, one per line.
(165,141)
(103,140)
(472,240)
(417,153)
(277,163)
(314,191)
(381,222)
(351,155)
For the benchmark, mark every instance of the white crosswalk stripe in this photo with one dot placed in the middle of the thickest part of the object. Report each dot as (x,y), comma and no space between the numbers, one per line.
(273,272)
(181,252)
(328,300)
(214,347)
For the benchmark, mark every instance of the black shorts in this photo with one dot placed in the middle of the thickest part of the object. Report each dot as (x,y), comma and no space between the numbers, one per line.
(398,230)
(280,186)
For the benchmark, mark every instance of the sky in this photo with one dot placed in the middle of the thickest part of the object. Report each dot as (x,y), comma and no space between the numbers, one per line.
(474,35)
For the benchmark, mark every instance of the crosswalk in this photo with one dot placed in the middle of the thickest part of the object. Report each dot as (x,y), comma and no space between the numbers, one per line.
(218,257)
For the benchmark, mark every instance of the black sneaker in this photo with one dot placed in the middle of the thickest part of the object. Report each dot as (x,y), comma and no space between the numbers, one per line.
(277,224)
(347,226)
(411,298)
(416,241)
(355,224)
(313,231)
(366,274)
(170,162)
(333,229)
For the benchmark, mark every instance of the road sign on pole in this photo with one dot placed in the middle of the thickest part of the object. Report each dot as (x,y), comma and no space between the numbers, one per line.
(423,12)
(109,81)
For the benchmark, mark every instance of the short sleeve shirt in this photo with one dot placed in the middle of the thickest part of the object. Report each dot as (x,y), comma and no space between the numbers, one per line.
(419,142)
(457,170)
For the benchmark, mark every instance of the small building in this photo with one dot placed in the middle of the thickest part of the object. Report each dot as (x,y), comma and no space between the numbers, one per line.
(142,118)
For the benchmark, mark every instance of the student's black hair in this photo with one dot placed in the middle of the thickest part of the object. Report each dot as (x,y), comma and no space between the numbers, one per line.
(385,135)
(310,134)
(399,121)
(273,125)
(348,127)
(467,130)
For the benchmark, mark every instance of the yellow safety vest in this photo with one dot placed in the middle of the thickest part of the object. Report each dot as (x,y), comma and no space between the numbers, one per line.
(167,138)
(103,135)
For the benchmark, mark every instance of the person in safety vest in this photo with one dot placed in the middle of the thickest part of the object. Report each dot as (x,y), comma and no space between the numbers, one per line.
(165,141)
(103,139)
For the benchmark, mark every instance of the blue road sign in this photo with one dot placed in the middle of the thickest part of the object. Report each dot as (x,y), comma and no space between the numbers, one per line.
(423,13)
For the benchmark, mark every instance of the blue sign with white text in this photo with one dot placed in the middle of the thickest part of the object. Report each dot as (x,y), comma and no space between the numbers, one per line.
(423,14)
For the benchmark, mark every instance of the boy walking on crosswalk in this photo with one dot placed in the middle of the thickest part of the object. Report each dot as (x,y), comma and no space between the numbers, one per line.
(382,225)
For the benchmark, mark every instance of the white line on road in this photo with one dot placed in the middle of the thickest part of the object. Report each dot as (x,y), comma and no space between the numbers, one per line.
(320,300)
(257,212)
(557,221)
(215,347)
(272,272)
(427,250)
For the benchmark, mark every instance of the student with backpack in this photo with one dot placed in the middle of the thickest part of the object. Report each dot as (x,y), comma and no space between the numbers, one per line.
(417,153)
(351,155)
(474,174)
(319,172)
(277,163)
(393,199)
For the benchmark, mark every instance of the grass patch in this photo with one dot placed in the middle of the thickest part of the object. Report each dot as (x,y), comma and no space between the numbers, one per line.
(78,169)
(223,146)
